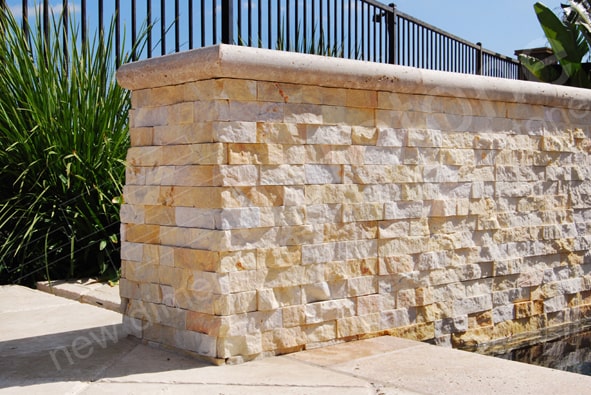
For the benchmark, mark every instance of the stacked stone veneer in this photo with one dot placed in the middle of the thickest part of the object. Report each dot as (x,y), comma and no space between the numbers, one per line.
(279,201)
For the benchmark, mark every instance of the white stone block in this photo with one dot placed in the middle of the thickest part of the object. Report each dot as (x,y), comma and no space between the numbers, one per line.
(323,174)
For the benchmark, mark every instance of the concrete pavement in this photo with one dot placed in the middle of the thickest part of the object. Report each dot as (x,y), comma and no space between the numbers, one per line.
(53,345)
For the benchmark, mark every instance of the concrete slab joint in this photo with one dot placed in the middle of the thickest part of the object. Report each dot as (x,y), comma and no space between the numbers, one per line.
(276,202)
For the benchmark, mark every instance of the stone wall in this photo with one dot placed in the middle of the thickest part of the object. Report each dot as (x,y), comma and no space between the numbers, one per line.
(278,201)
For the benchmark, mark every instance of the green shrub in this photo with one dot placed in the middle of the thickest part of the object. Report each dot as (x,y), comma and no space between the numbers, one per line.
(63,137)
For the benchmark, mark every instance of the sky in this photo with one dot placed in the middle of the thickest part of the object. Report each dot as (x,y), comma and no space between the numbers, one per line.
(501,25)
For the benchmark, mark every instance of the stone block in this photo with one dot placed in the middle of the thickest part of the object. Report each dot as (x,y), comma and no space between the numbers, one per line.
(358,325)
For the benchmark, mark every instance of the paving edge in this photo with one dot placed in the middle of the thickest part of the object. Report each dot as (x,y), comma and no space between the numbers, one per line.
(87,291)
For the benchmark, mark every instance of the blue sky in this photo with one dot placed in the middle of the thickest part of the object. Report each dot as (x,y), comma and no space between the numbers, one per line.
(501,25)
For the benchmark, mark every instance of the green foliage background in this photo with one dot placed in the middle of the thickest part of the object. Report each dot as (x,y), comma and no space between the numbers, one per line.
(63,137)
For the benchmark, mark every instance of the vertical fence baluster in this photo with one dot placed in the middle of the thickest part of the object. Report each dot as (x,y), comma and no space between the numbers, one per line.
(249,17)
(287,26)
(177,27)
(163,27)
(191,22)
(134,55)
(65,32)
(117,33)
(260,23)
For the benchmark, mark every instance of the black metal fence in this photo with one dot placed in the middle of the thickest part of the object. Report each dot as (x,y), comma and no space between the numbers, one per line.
(358,29)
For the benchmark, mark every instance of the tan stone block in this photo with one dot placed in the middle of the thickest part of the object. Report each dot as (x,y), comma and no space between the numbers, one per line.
(199,175)
(402,246)
(280,133)
(286,256)
(361,98)
(245,280)
(203,323)
(235,303)
(173,276)
(132,214)
(369,304)
(393,318)
(251,238)
(129,289)
(419,332)
(235,132)
(237,260)
(406,298)
(148,116)
(150,254)
(198,342)
(167,95)
(362,135)
(193,259)
(285,338)
(135,175)
(323,332)
(141,98)
(234,89)
(523,309)
(333,194)
(359,286)
(236,175)
(194,133)
(132,251)
(329,134)
(351,231)
(180,114)
(360,117)
(363,212)
(141,136)
(333,115)
(333,96)
(329,310)
(200,90)
(282,216)
(255,154)
(198,197)
(141,233)
(358,325)
(144,156)
(316,292)
(293,315)
(266,300)
(159,215)
(279,277)
(395,264)
(246,111)
(194,154)
(424,296)
(393,229)
(245,345)
(260,196)
(289,93)
(139,272)
(197,301)
(282,175)
(371,174)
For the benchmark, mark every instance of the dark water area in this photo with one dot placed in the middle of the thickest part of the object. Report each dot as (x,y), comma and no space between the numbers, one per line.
(571,353)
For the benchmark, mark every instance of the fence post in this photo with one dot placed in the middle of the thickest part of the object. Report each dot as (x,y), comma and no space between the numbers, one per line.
(227,21)
(391,23)
(479,59)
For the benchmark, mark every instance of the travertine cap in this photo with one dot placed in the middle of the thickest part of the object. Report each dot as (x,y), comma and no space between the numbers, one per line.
(230,61)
